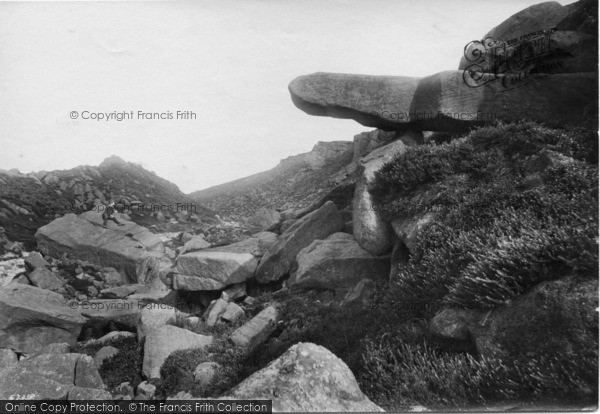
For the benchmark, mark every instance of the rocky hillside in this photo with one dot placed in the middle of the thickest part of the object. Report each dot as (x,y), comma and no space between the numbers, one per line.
(402,271)
(29,201)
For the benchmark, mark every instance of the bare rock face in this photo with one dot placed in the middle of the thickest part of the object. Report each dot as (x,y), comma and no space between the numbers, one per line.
(308,378)
(83,237)
(31,318)
(337,262)
(446,101)
(555,315)
(280,258)
(162,342)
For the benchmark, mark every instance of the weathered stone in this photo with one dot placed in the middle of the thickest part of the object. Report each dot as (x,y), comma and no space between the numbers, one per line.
(193,244)
(125,389)
(265,219)
(31,318)
(154,317)
(338,262)
(104,353)
(162,342)
(205,372)
(84,238)
(50,376)
(35,260)
(256,330)
(444,101)
(86,373)
(232,313)
(145,391)
(218,267)
(45,279)
(214,311)
(237,291)
(371,231)
(309,378)
(281,257)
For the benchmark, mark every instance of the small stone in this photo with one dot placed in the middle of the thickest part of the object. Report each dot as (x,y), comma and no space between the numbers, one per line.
(145,391)
(205,372)
(125,389)
(250,301)
(232,313)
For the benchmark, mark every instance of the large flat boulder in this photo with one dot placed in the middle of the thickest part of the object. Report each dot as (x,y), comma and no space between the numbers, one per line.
(280,258)
(162,342)
(447,101)
(306,378)
(218,267)
(83,237)
(31,318)
(338,263)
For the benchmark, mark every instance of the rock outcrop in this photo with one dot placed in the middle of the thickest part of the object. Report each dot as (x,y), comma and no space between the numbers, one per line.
(280,258)
(31,318)
(309,378)
(570,45)
(337,263)
(445,101)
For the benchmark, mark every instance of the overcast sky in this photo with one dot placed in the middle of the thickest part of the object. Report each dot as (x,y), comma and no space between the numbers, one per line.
(228,61)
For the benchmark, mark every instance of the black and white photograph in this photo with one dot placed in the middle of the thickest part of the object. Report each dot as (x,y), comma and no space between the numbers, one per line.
(256,206)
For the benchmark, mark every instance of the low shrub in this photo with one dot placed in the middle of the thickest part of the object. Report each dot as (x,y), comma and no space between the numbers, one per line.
(495,234)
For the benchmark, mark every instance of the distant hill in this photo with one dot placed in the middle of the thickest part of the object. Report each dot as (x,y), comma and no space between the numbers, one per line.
(328,171)
(29,201)
(296,182)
